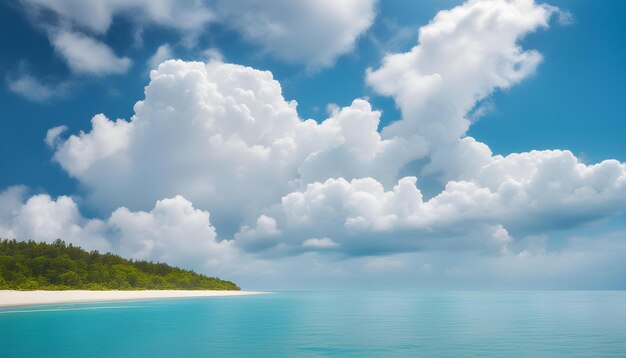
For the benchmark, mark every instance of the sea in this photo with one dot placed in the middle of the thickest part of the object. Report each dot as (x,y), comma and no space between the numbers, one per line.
(327,324)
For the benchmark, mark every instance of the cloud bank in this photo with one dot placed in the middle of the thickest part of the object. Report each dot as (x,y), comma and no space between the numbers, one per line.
(171,231)
(283,188)
(313,33)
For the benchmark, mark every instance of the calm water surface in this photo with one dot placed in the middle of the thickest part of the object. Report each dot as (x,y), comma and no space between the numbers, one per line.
(303,324)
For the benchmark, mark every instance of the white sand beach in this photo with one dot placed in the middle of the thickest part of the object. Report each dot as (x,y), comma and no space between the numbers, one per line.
(10,298)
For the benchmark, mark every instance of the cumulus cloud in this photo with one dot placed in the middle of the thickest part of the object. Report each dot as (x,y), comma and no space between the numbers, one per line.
(108,137)
(235,146)
(214,127)
(463,55)
(42,218)
(363,152)
(260,236)
(555,192)
(84,54)
(172,231)
(224,137)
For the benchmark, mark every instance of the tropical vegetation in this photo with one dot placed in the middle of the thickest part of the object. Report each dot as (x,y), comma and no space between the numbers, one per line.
(30,265)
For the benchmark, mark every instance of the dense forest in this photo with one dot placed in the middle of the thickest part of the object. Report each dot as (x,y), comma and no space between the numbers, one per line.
(29,265)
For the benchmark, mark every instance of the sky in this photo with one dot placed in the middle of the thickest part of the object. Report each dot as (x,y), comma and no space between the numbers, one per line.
(357,144)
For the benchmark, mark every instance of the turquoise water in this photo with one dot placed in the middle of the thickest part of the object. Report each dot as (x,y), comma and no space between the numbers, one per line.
(303,324)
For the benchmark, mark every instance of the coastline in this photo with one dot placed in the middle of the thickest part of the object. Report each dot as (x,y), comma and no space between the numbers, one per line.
(11,298)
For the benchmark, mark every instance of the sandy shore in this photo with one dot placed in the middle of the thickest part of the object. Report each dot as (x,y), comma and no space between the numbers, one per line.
(26,298)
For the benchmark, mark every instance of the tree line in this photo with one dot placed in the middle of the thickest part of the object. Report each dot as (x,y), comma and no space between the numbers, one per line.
(30,265)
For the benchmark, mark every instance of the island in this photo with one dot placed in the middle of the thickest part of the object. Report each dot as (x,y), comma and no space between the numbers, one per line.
(39,272)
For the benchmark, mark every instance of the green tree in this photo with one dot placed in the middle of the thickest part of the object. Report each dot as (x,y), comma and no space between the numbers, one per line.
(28,265)
(70,278)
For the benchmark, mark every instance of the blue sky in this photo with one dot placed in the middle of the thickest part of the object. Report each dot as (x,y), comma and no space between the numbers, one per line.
(573,99)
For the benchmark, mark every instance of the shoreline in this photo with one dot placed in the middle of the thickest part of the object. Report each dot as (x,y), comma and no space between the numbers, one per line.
(11,298)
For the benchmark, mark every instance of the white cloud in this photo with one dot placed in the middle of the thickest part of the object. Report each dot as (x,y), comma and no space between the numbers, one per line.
(463,55)
(42,218)
(261,236)
(363,153)
(98,15)
(173,231)
(215,127)
(10,199)
(265,226)
(71,26)
(234,146)
(530,192)
(310,32)
(323,243)
(224,137)
(80,152)
(53,136)
(314,32)
(585,262)
(213,54)
(162,54)
(33,89)
(84,54)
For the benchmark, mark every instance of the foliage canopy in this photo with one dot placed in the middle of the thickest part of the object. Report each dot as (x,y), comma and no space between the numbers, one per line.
(30,265)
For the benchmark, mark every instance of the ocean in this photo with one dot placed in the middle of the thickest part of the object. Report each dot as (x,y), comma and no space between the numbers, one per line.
(312,324)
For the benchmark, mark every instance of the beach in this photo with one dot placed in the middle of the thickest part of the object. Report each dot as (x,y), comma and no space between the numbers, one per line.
(10,298)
